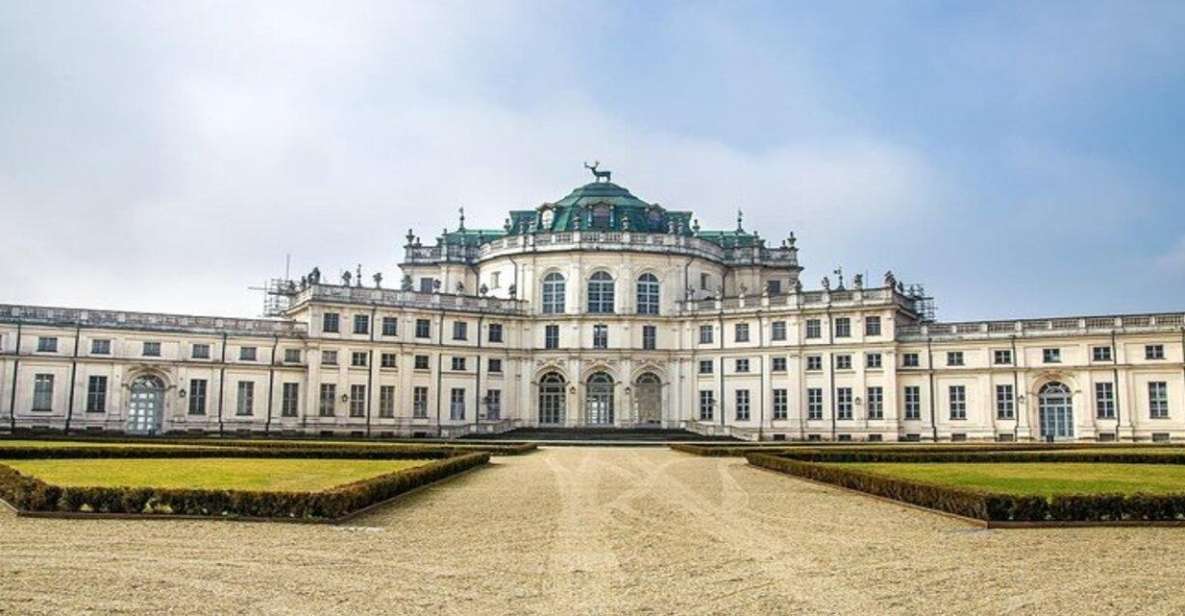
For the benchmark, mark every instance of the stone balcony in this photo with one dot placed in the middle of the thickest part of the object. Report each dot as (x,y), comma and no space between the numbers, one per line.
(664,243)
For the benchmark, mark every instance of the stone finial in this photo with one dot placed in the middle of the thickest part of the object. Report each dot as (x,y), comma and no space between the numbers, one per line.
(858,281)
(890,279)
(358,278)
(378,280)
(406,283)
(839,275)
(790,241)
(797,286)
(484,290)
(740,219)
(346,276)
(461,211)
(411,236)
(826,283)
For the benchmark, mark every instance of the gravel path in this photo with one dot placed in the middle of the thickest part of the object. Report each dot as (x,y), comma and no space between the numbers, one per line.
(588,531)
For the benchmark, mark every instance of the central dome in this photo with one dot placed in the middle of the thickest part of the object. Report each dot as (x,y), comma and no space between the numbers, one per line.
(601,192)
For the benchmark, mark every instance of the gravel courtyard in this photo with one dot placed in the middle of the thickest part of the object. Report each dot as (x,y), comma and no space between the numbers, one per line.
(594,531)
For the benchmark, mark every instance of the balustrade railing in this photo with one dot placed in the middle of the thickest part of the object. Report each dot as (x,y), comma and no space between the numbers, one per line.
(147,320)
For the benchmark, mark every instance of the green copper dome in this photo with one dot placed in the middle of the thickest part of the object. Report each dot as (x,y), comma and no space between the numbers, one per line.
(601,192)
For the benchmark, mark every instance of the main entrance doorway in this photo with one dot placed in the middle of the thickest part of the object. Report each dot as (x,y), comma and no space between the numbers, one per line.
(599,400)
(551,399)
(1055,412)
(146,406)
(649,398)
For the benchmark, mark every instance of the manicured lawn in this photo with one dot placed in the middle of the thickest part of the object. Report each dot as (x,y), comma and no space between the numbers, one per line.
(274,474)
(1039,478)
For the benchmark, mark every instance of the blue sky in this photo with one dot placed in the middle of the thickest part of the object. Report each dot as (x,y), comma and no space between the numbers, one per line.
(1021,159)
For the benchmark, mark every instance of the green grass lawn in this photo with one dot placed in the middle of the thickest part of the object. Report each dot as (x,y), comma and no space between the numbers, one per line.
(269,474)
(1038,478)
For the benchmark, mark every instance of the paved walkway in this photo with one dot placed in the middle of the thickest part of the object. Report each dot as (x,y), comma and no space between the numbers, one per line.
(595,531)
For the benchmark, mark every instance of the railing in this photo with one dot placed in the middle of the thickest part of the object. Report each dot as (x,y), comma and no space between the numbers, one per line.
(1037,327)
(147,320)
(805,299)
(624,240)
(400,298)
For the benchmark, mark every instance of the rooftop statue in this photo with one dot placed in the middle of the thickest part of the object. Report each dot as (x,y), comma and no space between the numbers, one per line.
(598,175)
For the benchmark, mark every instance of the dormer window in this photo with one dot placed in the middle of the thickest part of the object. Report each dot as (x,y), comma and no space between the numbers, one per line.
(546,217)
(602,216)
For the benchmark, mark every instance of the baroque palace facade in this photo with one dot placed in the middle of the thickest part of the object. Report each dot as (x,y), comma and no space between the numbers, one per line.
(598,310)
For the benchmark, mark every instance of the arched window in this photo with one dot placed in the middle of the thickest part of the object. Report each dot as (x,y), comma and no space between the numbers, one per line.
(600,293)
(648,294)
(551,399)
(553,293)
(1055,411)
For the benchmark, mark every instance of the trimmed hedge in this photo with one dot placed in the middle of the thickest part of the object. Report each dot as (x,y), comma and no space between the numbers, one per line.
(986,457)
(988,506)
(29,494)
(337,453)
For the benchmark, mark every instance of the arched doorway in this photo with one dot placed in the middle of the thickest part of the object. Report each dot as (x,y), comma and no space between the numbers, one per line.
(1055,412)
(551,399)
(146,405)
(599,400)
(649,399)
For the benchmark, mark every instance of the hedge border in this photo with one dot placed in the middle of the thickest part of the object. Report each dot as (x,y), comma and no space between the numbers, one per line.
(32,497)
(995,509)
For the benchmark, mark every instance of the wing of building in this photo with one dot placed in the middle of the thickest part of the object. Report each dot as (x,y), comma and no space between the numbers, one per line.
(597,310)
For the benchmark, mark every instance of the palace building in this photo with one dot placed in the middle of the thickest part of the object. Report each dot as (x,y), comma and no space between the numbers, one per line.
(599,310)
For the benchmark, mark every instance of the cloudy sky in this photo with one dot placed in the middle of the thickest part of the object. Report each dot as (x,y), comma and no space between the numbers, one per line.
(1021,159)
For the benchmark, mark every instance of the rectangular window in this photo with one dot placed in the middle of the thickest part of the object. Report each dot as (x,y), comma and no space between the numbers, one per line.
(357,401)
(495,365)
(707,402)
(292,356)
(386,401)
(423,328)
(1051,356)
(954,358)
(390,326)
(742,332)
(778,331)
(1158,399)
(458,364)
(913,402)
(958,401)
(421,362)
(742,406)
(47,344)
(290,400)
(1002,357)
(151,349)
(100,347)
(328,400)
(200,351)
(419,402)
(246,399)
(493,403)
(872,326)
(705,366)
(814,328)
(814,362)
(330,323)
(551,337)
(814,403)
(649,337)
(1104,399)
(705,334)
(456,405)
(427,285)
(876,402)
(1154,351)
(600,336)
(43,392)
(742,365)
(704,280)
(197,396)
(495,332)
(872,360)
(843,403)
(96,394)
(1101,353)
(361,324)
(388,360)
(909,360)
(328,358)
(359,359)
(781,404)
(843,327)
(460,330)
(774,287)
(778,364)
(247,353)
(1005,402)
(843,362)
